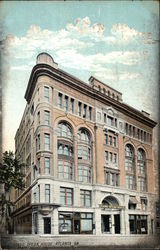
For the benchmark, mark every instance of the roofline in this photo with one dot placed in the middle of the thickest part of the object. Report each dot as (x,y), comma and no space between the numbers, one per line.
(67,79)
(105,84)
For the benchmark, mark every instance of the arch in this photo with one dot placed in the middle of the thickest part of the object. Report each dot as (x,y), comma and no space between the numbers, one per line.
(145,150)
(110,111)
(129,150)
(65,129)
(141,155)
(84,135)
(110,201)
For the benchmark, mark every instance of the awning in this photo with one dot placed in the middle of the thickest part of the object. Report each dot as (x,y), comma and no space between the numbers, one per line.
(133,200)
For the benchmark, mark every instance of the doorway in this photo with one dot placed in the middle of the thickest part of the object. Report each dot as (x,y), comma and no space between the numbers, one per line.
(106,223)
(47,225)
(117,223)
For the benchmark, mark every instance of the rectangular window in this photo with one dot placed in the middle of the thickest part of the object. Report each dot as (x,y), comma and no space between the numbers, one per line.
(39,165)
(150,138)
(110,120)
(133,131)
(106,139)
(38,117)
(66,196)
(59,100)
(144,136)
(116,122)
(38,142)
(115,158)
(126,128)
(46,93)
(105,118)
(110,140)
(114,142)
(117,179)
(72,105)
(47,193)
(46,117)
(106,156)
(39,193)
(34,197)
(141,135)
(138,133)
(85,198)
(79,108)
(47,165)
(111,179)
(66,103)
(85,111)
(90,113)
(110,157)
(130,130)
(47,141)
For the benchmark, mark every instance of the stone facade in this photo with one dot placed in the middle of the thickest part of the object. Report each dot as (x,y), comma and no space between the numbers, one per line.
(89,159)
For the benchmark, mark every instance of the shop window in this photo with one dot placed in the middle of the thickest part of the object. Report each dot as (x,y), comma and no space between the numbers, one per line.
(66,196)
(85,198)
(138,224)
(86,222)
(65,222)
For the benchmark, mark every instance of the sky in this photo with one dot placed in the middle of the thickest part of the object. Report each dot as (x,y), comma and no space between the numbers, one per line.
(115,41)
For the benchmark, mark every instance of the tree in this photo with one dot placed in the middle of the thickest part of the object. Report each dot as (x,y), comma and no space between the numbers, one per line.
(11,176)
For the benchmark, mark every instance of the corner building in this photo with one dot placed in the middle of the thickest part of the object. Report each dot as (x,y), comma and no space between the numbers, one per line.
(89,160)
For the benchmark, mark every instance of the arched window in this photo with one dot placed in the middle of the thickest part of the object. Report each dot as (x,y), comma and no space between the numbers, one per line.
(84,155)
(141,160)
(109,93)
(104,90)
(64,130)
(130,167)
(113,96)
(83,136)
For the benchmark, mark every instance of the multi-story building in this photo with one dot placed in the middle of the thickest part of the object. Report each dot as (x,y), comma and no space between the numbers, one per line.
(89,161)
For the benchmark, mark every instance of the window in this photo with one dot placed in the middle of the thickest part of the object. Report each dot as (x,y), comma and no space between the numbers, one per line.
(115,158)
(47,141)
(38,142)
(138,134)
(65,150)
(85,111)
(129,158)
(110,120)
(133,131)
(47,193)
(66,103)
(34,197)
(65,169)
(46,117)
(64,130)
(112,178)
(47,165)
(83,136)
(141,160)
(106,156)
(126,128)
(130,182)
(65,223)
(59,100)
(141,135)
(39,193)
(114,142)
(90,113)
(106,139)
(79,108)
(84,174)
(86,222)
(138,224)
(39,165)
(46,93)
(38,117)
(110,140)
(84,152)
(105,118)
(144,136)
(72,105)
(66,196)
(85,198)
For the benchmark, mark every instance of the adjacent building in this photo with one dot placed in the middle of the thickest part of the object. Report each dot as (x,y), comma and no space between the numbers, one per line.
(89,160)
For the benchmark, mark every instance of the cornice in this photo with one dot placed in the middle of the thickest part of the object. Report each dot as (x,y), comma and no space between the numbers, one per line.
(77,84)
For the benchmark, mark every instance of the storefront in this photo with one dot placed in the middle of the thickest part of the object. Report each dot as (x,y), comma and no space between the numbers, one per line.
(75,223)
(138,224)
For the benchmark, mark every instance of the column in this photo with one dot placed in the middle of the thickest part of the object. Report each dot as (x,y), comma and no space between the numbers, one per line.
(98,221)
(122,221)
(55,222)
(112,224)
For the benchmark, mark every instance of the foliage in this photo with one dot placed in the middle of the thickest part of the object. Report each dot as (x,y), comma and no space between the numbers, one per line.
(11,172)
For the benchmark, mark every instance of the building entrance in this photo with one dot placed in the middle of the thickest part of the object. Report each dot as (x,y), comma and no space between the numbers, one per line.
(117,223)
(47,225)
(106,223)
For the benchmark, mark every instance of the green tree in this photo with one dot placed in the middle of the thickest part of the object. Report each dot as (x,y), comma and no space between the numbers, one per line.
(11,176)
